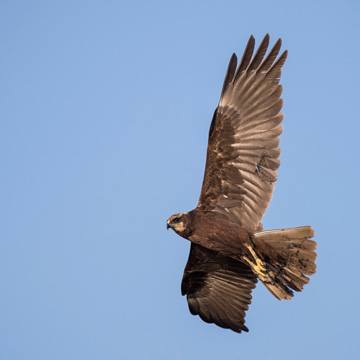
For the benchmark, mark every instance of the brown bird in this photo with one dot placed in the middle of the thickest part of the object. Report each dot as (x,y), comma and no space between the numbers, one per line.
(229,249)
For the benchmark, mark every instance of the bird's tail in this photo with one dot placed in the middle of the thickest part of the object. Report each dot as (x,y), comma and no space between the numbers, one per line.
(292,258)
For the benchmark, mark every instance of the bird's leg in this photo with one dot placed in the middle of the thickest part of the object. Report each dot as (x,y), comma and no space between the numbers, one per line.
(260,266)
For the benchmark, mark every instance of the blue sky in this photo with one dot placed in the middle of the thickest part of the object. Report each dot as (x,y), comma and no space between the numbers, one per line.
(104,114)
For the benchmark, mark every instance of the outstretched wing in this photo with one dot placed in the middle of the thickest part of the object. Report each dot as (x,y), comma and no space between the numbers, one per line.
(243,149)
(218,288)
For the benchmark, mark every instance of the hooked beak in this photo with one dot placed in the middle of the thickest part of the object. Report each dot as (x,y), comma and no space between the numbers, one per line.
(168,226)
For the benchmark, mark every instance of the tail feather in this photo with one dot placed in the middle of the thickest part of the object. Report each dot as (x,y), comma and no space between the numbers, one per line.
(294,259)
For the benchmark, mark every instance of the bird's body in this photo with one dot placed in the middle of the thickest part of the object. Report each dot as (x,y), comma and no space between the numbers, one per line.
(229,249)
(215,232)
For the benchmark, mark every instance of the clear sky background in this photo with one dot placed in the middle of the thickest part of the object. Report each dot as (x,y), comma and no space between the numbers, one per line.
(104,115)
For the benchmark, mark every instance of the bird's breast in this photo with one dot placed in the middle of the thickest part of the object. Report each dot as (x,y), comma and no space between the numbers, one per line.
(220,235)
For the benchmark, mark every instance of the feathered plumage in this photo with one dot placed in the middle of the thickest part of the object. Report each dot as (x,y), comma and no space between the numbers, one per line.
(229,249)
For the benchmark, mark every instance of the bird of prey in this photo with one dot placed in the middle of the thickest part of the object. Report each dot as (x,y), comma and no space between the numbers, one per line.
(230,250)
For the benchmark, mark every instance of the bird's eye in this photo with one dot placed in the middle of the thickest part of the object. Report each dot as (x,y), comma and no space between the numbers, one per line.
(176,219)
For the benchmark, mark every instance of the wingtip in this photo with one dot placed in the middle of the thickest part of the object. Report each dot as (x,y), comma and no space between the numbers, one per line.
(266,39)
(252,40)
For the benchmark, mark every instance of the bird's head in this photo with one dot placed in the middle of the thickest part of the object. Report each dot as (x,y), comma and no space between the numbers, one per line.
(177,222)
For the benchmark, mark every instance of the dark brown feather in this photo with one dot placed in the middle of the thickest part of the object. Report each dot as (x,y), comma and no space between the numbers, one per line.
(260,53)
(230,72)
(265,66)
(245,60)
(218,288)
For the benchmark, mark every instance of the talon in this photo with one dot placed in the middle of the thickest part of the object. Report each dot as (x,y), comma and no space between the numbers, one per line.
(259,267)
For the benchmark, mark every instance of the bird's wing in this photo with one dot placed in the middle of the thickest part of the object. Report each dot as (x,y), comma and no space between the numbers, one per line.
(243,149)
(218,288)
